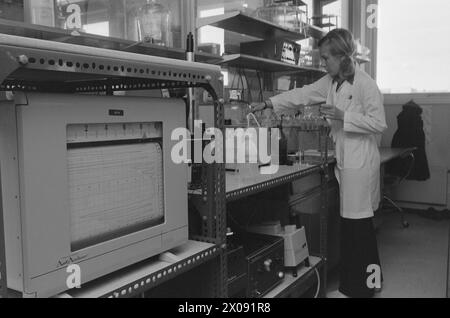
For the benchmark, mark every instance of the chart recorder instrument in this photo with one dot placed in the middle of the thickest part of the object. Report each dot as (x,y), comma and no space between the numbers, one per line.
(88,180)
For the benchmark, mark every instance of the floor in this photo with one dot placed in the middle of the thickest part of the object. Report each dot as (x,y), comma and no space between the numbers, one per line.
(415,261)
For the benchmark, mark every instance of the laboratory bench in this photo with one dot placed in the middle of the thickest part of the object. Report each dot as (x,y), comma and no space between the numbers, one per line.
(295,195)
(238,186)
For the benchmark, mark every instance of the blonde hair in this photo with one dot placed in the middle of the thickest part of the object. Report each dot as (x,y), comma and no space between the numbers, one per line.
(341,43)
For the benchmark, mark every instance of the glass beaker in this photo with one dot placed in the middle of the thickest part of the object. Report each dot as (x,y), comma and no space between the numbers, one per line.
(154,25)
(237,112)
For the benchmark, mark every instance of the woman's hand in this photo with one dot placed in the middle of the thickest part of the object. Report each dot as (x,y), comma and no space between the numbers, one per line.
(332,112)
(257,107)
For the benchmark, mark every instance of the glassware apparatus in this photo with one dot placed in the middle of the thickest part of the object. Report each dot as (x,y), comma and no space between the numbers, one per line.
(286,14)
(154,23)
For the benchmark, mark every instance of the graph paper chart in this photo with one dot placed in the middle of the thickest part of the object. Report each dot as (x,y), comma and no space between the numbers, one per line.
(114,190)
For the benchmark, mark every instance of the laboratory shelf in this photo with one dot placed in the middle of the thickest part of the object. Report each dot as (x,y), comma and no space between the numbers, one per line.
(239,22)
(263,64)
(239,186)
(48,66)
(292,284)
(136,279)
(98,41)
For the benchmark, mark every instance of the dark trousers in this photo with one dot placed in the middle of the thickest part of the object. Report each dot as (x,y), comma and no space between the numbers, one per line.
(359,250)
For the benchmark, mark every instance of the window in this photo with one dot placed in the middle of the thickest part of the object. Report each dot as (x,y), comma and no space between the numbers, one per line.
(210,34)
(99,28)
(413,49)
(334,11)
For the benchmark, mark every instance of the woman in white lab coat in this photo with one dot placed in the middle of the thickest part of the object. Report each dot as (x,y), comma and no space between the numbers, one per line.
(354,108)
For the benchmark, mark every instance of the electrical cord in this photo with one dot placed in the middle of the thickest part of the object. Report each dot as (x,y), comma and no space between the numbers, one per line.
(249,95)
(232,82)
(241,78)
(261,92)
(318,283)
(242,81)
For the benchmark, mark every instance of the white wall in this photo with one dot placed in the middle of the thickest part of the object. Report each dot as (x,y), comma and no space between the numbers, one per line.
(434,192)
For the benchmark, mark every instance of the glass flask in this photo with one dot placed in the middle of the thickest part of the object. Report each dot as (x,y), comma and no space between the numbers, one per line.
(154,25)
(237,113)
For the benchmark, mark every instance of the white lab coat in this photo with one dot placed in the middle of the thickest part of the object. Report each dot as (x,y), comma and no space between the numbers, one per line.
(357,154)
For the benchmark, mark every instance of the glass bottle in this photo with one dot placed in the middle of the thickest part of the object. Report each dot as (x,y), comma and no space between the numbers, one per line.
(42,12)
(154,25)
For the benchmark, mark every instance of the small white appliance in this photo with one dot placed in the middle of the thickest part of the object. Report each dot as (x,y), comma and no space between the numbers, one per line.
(295,244)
